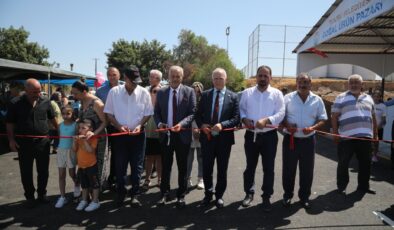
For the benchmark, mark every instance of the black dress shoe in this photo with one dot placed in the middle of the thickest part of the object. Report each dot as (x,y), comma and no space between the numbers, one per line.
(341,191)
(219,203)
(180,203)
(43,199)
(286,202)
(206,201)
(306,204)
(135,202)
(163,200)
(266,205)
(247,200)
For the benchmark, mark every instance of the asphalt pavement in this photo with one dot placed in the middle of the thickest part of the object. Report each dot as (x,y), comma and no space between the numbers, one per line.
(329,209)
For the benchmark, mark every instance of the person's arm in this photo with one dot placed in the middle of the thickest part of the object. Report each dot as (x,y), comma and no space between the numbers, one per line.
(11,137)
(115,123)
(99,109)
(89,147)
(75,144)
(334,125)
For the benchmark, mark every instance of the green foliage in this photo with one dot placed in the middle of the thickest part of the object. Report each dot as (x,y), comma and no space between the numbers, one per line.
(199,59)
(145,55)
(15,46)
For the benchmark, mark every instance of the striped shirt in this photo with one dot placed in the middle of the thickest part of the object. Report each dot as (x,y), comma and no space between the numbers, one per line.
(355,114)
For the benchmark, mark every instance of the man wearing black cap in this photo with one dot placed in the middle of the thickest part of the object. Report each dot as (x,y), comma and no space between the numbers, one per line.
(128,108)
(174,109)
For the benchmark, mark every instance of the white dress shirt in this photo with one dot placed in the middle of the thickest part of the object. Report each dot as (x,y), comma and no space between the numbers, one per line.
(128,110)
(304,114)
(255,105)
(169,117)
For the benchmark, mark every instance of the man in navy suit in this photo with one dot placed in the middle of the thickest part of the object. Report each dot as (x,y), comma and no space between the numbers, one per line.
(174,111)
(217,111)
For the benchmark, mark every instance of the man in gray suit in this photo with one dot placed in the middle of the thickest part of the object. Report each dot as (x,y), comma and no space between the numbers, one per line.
(218,110)
(174,111)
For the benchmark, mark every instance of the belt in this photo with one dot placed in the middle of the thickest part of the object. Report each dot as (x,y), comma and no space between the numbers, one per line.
(255,134)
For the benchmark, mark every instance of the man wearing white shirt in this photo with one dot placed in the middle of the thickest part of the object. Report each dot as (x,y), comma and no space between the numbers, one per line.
(260,106)
(128,108)
(305,112)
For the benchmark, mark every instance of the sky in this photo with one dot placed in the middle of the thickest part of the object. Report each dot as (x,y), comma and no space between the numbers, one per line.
(78,32)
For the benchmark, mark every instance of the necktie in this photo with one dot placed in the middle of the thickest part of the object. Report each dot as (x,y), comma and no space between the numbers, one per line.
(215,114)
(174,108)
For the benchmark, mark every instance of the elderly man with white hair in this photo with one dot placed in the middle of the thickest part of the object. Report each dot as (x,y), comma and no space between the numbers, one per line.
(217,111)
(353,115)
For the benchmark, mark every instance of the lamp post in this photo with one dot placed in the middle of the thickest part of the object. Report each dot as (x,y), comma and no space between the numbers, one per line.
(227,34)
(71,66)
(95,65)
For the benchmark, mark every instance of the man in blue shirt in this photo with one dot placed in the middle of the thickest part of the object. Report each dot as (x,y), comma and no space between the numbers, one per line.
(305,112)
(113,76)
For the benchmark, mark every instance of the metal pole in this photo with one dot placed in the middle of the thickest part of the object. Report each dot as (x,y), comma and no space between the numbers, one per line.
(227,34)
(95,66)
(284,53)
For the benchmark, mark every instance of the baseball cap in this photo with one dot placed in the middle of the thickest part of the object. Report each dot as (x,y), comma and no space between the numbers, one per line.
(133,74)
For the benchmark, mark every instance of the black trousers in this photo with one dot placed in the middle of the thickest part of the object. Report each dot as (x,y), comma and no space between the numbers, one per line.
(181,153)
(304,155)
(30,150)
(212,150)
(264,145)
(346,149)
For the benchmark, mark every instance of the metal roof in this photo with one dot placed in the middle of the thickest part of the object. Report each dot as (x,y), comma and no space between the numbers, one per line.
(375,36)
(20,70)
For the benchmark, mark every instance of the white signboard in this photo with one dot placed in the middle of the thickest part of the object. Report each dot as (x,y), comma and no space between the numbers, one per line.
(349,14)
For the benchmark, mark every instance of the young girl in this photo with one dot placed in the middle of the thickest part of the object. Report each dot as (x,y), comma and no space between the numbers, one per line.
(65,157)
(87,165)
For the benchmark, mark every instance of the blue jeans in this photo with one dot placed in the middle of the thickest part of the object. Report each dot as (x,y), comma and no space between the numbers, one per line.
(129,150)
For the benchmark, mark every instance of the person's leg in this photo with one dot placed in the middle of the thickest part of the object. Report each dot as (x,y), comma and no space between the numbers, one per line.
(289,168)
(62,181)
(307,162)
(223,155)
(363,154)
(181,153)
(137,162)
(345,153)
(26,159)
(149,160)
(208,158)
(252,156)
(268,148)
(42,165)
(166,160)
(157,159)
(190,160)
(121,162)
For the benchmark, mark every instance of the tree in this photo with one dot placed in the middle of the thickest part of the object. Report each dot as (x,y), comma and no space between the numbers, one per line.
(199,59)
(15,46)
(145,55)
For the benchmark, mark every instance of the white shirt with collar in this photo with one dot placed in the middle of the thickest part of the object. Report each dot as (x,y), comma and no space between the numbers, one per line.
(255,105)
(304,114)
(169,115)
(127,109)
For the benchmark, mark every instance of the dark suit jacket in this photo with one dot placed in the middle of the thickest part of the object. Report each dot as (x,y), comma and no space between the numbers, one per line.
(185,110)
(229,116)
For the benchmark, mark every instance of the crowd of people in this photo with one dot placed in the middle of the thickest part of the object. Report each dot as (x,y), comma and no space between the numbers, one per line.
(125,124)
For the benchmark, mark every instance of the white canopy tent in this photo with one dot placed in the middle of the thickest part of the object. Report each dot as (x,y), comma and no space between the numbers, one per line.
(356,32)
